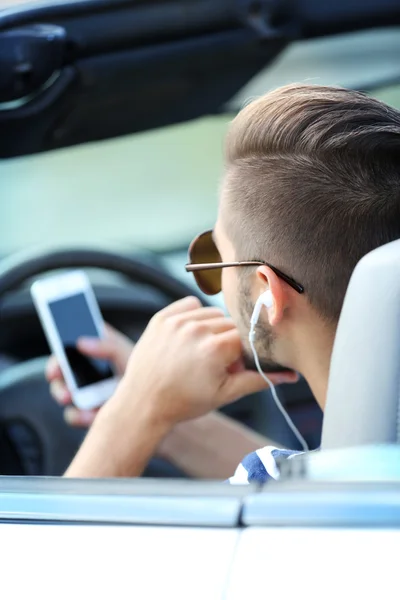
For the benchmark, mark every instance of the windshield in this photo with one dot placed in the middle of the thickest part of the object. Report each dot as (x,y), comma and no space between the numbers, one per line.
(156,189)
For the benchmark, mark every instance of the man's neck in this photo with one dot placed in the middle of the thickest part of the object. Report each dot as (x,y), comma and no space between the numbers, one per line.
(314,362)
(318,383)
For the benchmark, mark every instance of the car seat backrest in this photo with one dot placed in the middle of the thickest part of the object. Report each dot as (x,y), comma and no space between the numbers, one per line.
(364,384)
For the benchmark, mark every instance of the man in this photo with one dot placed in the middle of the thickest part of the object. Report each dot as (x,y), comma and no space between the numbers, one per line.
(311,184)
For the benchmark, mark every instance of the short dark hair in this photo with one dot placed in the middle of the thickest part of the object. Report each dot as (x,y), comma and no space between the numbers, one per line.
(313,184)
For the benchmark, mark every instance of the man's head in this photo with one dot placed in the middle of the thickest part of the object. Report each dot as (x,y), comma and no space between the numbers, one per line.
(311,184)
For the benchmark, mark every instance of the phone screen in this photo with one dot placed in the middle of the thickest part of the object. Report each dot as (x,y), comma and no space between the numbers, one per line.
(73,320)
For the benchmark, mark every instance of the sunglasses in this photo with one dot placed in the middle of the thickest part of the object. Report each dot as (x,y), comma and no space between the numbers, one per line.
(206,265)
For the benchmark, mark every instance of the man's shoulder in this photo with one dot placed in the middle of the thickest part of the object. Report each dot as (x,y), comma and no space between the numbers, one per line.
(261,466)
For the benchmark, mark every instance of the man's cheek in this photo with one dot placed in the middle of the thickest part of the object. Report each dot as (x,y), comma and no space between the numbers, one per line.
(229,290)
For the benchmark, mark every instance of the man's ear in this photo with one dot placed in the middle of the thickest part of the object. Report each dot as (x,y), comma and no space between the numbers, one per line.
(269,280)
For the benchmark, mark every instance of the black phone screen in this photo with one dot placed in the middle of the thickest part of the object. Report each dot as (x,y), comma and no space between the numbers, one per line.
(73,320)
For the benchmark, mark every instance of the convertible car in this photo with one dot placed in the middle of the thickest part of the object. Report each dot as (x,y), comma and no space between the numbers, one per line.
(112,117)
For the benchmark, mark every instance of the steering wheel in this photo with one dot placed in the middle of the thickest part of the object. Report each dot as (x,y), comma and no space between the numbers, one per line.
(25,402)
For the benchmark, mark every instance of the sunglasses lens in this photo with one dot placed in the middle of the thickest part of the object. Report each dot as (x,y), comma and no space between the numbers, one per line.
(204,251)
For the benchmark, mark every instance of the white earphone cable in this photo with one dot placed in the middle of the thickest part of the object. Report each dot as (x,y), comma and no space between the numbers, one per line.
(274,393)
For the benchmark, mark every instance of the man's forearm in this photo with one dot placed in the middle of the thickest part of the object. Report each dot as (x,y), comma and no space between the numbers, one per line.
(210,447)
(110,450)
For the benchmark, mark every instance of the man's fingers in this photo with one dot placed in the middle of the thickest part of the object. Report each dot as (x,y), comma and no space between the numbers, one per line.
(79,418)
(53,370)
(229,345)
(115,337)
(60,392)
(110,331)
(283,377)
(96,347)
(201,314)
(184,305)
(249,382)
(219,325)
(242,384)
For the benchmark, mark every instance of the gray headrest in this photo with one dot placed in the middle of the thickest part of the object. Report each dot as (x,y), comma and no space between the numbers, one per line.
(364,383)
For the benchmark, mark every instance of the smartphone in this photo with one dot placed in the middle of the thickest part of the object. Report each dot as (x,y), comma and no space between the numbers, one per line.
(68,310)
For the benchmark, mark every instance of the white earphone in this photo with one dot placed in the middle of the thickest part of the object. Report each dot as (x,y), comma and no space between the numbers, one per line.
(266,299)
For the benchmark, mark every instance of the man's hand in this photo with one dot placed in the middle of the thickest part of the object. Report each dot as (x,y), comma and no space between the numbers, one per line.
(187,363)
(115,347)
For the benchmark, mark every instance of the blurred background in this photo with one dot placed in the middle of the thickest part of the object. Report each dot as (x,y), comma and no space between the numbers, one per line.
(155,190)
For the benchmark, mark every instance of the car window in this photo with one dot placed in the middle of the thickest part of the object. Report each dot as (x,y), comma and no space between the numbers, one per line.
(152,190)
(156,189)
(365,60)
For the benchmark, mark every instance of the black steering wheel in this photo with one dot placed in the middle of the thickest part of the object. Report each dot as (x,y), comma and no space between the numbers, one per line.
(25,403)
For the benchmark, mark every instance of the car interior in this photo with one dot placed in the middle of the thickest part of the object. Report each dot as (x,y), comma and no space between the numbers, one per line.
(112,116)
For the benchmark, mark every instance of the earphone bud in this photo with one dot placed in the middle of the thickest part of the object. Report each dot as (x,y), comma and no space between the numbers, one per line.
(265,299)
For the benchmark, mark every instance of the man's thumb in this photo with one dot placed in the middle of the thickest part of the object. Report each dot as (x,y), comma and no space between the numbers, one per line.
(96,347)
(79,418)
(243,383)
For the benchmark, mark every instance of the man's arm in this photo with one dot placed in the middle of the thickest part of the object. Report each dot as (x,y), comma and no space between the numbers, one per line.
(210,447)
(111,449)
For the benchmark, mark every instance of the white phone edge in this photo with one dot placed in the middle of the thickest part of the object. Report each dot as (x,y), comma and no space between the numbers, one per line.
(60,286)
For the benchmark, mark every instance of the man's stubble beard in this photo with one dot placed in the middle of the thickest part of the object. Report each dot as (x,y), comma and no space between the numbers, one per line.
(264,339)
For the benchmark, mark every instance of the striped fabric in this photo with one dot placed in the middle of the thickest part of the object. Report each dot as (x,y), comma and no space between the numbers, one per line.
(260,466)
